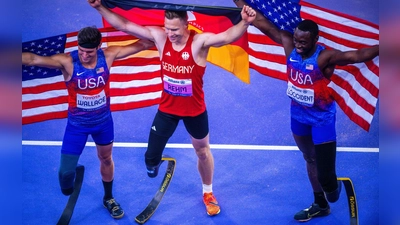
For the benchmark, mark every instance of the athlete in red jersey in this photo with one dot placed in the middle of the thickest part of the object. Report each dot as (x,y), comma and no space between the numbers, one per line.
(183,81)
(183,56)
(86,73)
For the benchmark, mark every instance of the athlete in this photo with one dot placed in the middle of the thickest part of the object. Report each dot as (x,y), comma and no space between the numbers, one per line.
(183,55)
(86,74)
(313,109)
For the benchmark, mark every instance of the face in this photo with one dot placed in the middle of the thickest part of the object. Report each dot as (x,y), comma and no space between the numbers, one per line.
(87,55)
(175,29)
(303,42)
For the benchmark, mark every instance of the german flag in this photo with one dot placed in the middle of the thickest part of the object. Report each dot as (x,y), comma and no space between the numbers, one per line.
(232,57)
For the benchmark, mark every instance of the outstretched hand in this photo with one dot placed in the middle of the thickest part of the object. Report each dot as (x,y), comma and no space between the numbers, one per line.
(248,14)
(94,3)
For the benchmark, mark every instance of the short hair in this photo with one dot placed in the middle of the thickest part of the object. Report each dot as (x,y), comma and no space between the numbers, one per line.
(309,26)
(171,14)
(89,37)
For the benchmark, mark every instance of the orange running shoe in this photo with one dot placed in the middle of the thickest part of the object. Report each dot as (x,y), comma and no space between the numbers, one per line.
(211,204)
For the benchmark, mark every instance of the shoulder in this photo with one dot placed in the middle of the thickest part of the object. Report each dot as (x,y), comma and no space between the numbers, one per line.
(326,54)
(326,58)
(63,57)
(109,52)
(201,37)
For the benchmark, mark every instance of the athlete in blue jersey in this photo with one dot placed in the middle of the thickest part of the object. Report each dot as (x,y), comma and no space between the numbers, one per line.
(86,74)
(309,69)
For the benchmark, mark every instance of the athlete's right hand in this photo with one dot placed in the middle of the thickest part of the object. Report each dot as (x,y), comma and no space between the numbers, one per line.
(94,3)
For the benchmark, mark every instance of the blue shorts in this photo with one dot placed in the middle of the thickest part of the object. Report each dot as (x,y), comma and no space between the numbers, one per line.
(319,135)
(75,137)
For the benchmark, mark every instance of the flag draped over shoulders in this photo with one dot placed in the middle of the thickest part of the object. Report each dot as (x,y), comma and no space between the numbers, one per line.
(134,81)
(355,87)
(232,57)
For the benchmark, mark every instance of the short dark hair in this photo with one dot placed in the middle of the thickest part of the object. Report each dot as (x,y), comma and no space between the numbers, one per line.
(309,26)
(89,37)
(171,14)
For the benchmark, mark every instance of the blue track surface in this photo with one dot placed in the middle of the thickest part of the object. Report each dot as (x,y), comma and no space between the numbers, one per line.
(252,186)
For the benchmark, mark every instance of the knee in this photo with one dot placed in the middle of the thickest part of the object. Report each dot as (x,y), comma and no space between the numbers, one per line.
(327,180)
(105,159)
(66,173)
(311,159)
(203,153)
(152,161)
(152,158)
(66,179)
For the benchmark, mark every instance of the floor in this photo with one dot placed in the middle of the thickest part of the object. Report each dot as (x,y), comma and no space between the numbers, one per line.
(260,176)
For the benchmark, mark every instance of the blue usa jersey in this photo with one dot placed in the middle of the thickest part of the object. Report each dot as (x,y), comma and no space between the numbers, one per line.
(312,102)
(89,92)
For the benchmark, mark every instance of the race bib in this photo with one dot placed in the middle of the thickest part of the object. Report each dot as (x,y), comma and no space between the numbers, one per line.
(178,87)
(90,102)
(303,96)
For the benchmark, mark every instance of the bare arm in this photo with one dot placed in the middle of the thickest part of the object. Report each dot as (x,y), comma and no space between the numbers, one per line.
(356,56)
(273,32)
(287,42)
(123,24)
(59,61)
(328,59)
(232,34)
(263,24)
(53,62)
(118,52)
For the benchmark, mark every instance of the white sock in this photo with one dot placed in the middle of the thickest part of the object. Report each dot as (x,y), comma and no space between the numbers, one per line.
(207,188)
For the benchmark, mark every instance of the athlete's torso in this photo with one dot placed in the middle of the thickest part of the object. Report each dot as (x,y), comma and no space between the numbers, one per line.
(182,80)
(88,90)
(312,102)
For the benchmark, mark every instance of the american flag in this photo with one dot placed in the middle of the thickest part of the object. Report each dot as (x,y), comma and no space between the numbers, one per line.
(134,82)
(355,87)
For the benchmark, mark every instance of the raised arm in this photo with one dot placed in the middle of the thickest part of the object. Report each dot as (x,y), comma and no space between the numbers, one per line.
(121,23)
(59,61)
(118,52)
(336,57)
(53,62)
(263,24)
(233,33)
(328,59)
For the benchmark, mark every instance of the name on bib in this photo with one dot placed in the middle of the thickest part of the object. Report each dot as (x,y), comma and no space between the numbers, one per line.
(303,96)
(91,102)
(178,87)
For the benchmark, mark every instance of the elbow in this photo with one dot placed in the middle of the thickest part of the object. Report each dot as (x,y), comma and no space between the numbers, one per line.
(121,27)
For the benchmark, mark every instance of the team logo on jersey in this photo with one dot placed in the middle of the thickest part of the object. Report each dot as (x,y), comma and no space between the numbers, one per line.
(100,70)
(309,66)
(168,53)
(185,55)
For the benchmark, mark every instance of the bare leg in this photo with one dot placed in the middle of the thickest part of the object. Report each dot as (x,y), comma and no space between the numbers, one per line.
(306,146)
(205,163)
(104,153)
(107,175)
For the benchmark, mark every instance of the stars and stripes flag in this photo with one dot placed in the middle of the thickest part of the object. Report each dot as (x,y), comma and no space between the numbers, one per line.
(355,87)
(134,81)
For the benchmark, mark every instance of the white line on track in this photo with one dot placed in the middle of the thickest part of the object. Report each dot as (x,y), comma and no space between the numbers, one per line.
(213,146)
